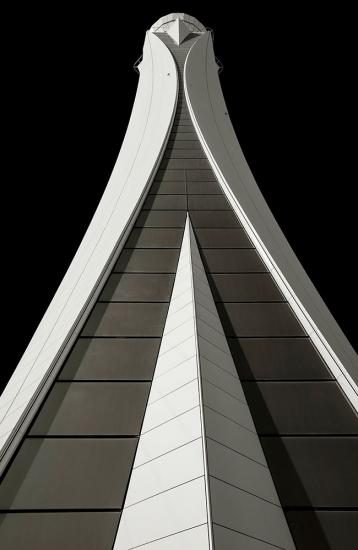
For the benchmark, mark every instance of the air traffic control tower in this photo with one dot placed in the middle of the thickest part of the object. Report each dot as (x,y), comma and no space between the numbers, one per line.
(187,388)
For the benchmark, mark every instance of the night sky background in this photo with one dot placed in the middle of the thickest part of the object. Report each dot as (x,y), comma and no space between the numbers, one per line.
(69,86)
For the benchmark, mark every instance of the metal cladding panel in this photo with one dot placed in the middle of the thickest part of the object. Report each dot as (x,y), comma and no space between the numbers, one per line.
(278,359)
(155,238)
(307,408)
(111,359)
(137,287)
(160,218)
(92,408)
(315,529)
(314,472)
(205,219)
(141,260)
(59,474)
(259,319)
(58,530)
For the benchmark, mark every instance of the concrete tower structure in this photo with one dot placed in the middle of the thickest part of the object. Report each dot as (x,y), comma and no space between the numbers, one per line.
(187,388)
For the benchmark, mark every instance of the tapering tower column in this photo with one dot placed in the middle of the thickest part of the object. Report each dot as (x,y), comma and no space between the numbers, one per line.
(187,387)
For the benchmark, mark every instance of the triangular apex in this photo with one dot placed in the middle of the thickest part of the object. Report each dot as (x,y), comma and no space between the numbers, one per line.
(199,474)
(178,31)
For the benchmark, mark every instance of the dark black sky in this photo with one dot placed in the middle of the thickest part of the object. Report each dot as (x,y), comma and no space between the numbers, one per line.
(69,83)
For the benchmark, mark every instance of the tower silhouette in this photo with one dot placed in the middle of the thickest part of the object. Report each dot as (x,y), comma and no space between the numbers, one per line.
(187,387)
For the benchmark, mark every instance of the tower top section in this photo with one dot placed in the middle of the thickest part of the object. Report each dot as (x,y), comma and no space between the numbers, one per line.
(165,22)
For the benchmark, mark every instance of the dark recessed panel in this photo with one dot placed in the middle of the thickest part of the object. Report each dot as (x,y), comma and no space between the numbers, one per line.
(300,408)
(184,154)
(203,188)
(314,471)
(68,473)
(200,175)
(170,175)
(160,260)
(161,218)
(155,238)
(137,287)
(182,118)
(277,358)
(180,136)
(92,408)
(261,319)
(322,530)
(181,103)
(168,187)
(182,111)
(123,319)
(208,202)
(187,126)
(212,219)
(178,121)
(190,144)
(231,260)
(111,359)
(242,287)
(58,531)
(222,238)
(165,202)
(184,164)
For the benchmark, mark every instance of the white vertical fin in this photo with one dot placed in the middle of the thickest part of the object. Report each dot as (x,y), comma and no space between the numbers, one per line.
(166,505)
(199,474)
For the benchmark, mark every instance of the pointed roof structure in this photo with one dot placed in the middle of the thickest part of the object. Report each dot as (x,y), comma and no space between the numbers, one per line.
(178,31)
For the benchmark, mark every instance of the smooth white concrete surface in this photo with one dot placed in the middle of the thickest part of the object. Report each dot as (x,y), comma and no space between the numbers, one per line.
(178,402)
(212,123)
(180,431)
(163,515)
(166,472)
(139,157)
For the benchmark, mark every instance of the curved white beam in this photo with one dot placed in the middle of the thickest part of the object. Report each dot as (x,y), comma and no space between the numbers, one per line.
(210,117)
(143,146)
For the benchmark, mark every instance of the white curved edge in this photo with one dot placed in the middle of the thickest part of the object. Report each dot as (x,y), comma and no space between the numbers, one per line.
(210,117)
(141,152)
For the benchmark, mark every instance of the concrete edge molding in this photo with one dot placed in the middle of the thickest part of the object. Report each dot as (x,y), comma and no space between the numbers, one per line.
(141,152)
(211,120)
